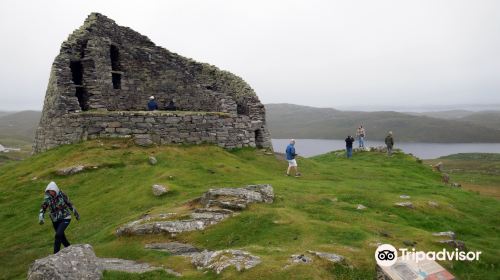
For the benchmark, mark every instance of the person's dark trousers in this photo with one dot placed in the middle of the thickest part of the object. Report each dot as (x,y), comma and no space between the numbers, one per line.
(349,152)
(60,227)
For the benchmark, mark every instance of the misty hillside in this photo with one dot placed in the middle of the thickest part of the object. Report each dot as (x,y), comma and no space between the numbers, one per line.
(19,125)
(489,119)
(295,121)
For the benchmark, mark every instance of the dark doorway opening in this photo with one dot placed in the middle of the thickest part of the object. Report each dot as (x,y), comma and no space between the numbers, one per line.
(259,138)
(83,98)
(117,80)
(115,58)
(76,72)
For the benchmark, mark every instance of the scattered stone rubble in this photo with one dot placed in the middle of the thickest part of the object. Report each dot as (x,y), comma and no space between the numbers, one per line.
(71,170)
(152,160)
(159,190)
(79,262)
(217,205)
(406,204)
(451,241)
(220,260)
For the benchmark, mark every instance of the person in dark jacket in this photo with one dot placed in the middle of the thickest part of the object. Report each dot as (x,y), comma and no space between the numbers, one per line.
(152,105)
(60,213)
(348,145)
(389,142)
(290,157)
(171,106)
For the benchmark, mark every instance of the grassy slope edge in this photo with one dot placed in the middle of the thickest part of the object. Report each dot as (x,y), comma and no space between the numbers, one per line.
(315,212)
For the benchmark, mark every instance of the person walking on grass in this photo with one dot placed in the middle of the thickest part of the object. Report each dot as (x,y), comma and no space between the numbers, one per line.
(60,213)
(348,145)
(361,134)
(290,157)
(389,142)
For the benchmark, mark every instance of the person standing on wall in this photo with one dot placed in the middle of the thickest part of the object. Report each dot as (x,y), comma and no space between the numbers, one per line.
(60,213)
(361,134)
(348,145)
(152,105)
(290,157)
(389,141)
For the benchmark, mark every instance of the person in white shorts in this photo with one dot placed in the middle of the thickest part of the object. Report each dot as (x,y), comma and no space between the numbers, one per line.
(290,157)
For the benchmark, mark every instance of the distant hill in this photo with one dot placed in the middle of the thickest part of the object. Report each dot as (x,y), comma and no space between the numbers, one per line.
(19,125)
(288,120)
(447,115)
(489,119)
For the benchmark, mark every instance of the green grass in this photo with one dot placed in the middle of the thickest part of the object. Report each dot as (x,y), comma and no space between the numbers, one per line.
(315,212)
(478,172)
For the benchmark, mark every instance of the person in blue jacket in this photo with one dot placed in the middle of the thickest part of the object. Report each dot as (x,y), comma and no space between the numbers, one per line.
(152,105)
(290,157)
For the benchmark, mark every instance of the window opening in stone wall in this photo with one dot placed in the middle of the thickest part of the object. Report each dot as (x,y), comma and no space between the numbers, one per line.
(241,109)
(83,98)
(76,72)
(115,58)
(117,80)
(259,138)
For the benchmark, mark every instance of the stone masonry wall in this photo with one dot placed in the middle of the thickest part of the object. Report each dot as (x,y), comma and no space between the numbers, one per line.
(104,67)
(146,128)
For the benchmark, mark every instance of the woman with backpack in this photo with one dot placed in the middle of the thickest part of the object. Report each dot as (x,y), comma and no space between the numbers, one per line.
(60,213)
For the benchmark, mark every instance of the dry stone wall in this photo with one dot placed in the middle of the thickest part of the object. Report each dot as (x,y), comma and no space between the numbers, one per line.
(102,79)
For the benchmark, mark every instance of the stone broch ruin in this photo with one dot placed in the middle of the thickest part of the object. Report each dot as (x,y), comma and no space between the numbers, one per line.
(104,74)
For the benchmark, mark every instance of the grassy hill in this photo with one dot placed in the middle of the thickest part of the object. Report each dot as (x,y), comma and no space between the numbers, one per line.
(17,130)
(479,172)
(294,121)
(315,212)
(19,125)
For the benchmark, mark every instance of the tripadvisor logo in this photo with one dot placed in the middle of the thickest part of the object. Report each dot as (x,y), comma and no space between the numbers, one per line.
(386,255)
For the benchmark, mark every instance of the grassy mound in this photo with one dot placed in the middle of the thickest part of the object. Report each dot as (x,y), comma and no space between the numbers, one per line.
(315,212)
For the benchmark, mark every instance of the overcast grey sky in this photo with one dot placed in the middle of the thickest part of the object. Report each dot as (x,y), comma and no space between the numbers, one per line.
(343,54)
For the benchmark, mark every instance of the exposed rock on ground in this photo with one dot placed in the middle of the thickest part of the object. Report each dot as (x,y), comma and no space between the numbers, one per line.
(76,262)
(237,198)
(220,260)
(404,196)
(438,166)
(217,205)
(446,178)
(79,262)
(449,234)
(460,245)
(152,160)
(158,190)
(380,149)
(300,259)
(174,248)
(129,266)
(406,204)
(433,204)
(70,170)
(361,207)
(328,256)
